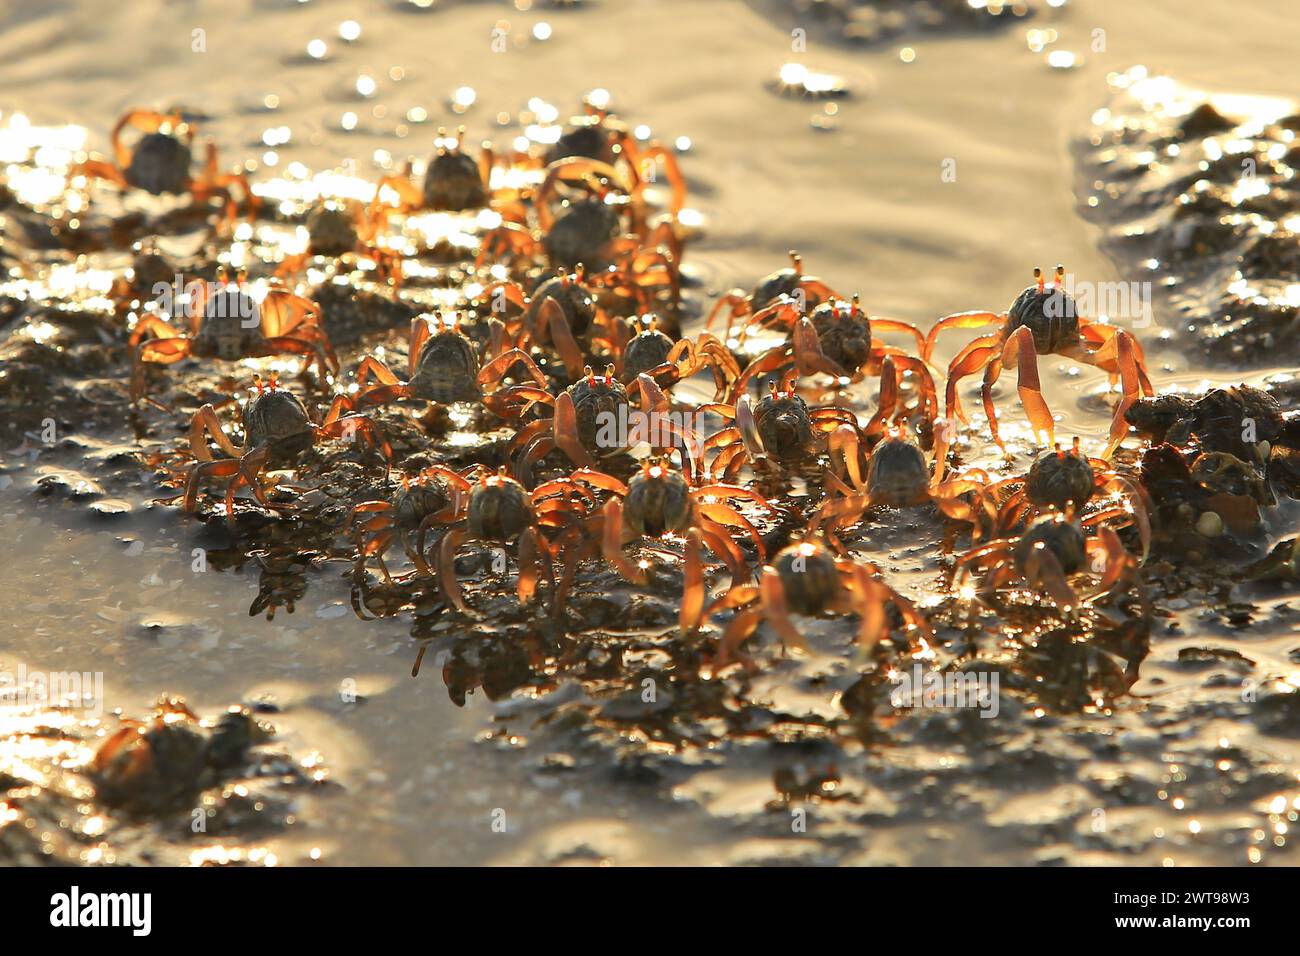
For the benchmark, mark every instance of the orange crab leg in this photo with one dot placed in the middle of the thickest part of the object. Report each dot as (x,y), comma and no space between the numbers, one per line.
(498,367)
(808,355)
(612,543)
(99,169)
(693,583)
(720,514)
(447,580)
(204,423)
(973,358)
(736,302)
(959,320)
(1043,570)
(880,324)
(1126,359)
(778,613)
(565,430)
(529,548)
(373,368)
(551,321)
(1020,348)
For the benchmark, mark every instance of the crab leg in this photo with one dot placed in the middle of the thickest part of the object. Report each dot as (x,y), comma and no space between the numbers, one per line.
(565,431)
(383,394)
(808,355)
(973,358)
(1121,568)
(551,321)
(204,423)
(675,180)
(250,466)
(612,543)
(693,583)
(409,197)
(888,398)
(99,169)
(845,445)
(289,345)
(1043,570)
(147,324)
(1138,508)
(770,361)
(450,544)
(772,594)
(600,480)
(879,323)
(349,426)
(736,302)
(929,396)
(505,361)
(738,630)
(747,426)
(959,320)
(1130,380)
(869,599)
(721,544)
(505,242)
(1020,348)
(529,548)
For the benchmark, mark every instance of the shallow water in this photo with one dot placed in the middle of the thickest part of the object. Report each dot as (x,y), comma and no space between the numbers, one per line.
(868,207)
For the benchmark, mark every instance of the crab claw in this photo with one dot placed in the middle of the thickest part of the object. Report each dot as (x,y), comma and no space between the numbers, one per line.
(565,428)
(748,428)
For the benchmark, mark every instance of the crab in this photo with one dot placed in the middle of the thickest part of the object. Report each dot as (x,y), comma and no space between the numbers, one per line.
(1241,420)
(658,501)
(498,509)
(605,224)
(1041,322)
(442,367)
(593,419)
(656,355)
(423,501)
(808,578)
(160,764)
(648,348)
(454,181)
(1196,502)
(781,429)
(225,322)
(277,429)
(600,136)
(160,161)
(1054,548)
(562,311)
(1230,489)
(806,292)
(337,228)
(150,276)
(836,340)
(1066,480)
(897,476)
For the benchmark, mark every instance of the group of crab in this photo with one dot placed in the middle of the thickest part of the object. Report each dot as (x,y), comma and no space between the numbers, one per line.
(569,327)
